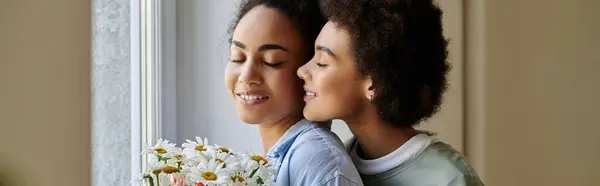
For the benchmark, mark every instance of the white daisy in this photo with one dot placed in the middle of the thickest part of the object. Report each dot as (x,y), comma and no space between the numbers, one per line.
(223,149)
(198,145)
(177,153)
(256,167)
(229,161)
(196,150)
(171,169)
(238,179)
(209,174)
(177,159)
(261,160)
(162,149)
(266,172)
(156,167)
(248,165)
(143,178)
(241,176)
(268,183)
(193,161)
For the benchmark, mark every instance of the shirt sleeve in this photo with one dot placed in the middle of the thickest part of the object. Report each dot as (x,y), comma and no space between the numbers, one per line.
(316,161)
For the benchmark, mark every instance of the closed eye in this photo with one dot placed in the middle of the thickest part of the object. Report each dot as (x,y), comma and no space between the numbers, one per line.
(236,60)
(271,64)
(321,64)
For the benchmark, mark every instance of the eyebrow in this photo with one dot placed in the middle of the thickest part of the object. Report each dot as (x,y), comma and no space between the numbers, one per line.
(238,44)
(326,50)
(262,47)
(271,47)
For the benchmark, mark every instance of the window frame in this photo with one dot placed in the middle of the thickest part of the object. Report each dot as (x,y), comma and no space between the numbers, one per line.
(152,67)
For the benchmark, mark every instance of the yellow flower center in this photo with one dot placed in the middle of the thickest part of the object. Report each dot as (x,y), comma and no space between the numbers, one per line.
(209,176)
(200,148)
(161,150)
(260,158)
(220,161)
(223,149)
(178,156)
(170,169)
(157,171)
(237,179)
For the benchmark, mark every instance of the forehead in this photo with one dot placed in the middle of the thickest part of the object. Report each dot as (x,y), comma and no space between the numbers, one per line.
(263,25)
(335,38)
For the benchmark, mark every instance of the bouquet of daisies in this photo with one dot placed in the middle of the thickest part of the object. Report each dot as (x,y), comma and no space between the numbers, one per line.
(200,164)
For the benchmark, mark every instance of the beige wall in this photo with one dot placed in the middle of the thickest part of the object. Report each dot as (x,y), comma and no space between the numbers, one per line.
(449,122)
(45,92)
(533,72)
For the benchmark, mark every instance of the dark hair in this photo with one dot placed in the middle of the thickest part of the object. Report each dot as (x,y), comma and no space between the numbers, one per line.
(400,45)
(304,13)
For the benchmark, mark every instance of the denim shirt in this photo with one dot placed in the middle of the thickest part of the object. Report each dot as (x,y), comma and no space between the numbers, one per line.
(310,154)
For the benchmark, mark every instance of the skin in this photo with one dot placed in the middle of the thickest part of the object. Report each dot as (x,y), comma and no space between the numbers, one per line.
(266,51)
(335,89)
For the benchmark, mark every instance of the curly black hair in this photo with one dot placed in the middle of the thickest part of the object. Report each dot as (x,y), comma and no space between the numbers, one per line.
(400,45)
(304,13)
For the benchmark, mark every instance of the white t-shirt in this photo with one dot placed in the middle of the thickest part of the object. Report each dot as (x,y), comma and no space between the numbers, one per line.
(413,147)
(422,160)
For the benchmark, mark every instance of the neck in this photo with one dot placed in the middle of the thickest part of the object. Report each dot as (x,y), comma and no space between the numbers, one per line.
(376,137)
(271,132)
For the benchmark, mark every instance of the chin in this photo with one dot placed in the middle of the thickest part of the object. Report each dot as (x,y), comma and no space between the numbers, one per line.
(250,120)
(314,115)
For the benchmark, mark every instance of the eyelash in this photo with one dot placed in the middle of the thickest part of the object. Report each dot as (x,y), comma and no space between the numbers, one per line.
(274,65)
(236,61)
(321,65)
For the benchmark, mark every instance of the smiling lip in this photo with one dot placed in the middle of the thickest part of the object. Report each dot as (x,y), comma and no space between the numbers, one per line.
(309,95)
(251,98)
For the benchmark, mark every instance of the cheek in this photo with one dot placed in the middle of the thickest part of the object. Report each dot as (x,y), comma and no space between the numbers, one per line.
(333,92)
(337,89)
(328,83)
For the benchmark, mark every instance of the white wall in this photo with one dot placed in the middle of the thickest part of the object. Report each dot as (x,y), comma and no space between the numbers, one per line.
(205,108)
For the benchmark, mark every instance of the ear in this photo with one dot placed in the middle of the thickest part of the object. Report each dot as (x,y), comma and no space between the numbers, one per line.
(369,88)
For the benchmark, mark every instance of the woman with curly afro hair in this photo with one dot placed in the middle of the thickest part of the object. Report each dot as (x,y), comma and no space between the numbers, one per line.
(270,40)
(381,66)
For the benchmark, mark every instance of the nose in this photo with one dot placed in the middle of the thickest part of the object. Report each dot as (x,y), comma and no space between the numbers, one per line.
(302,72)
(250,74)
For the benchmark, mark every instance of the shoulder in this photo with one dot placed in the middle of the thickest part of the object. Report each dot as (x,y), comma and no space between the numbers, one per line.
(451,168)
(319,155)
(319,143)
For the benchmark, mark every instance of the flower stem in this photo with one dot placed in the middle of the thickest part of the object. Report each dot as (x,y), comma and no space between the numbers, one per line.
(157,180)
(151,181)
(253,172)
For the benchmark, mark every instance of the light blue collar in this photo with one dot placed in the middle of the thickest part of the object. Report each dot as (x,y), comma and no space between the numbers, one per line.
(283,145)
(285,142)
